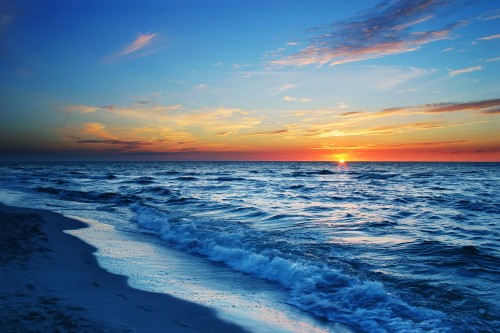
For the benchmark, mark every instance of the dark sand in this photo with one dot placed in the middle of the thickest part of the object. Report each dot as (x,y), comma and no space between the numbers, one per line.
(51,282)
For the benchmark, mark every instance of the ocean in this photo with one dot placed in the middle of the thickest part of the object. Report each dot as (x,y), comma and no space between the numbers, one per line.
(291,246)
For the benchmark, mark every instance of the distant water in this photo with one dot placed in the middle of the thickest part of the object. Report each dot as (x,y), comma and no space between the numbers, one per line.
(379,247)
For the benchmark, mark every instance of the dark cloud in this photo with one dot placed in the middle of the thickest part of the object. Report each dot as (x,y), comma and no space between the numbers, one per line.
(108,107)
(353,113)
(281,131)
(117,142)
(491,112)
(488,106)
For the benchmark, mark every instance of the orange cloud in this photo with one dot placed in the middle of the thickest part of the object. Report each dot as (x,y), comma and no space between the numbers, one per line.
(280,131)
(97,130)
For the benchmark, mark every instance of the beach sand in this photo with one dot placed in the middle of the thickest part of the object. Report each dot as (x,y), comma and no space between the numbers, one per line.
(51,282)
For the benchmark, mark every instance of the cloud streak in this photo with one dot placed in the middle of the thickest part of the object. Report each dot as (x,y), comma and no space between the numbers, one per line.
(485,107)
(386,29)
(465,70)
(282,88)
(78,108)
(294,99)
(117,142)
(266,133)
(141,46)
(490,37)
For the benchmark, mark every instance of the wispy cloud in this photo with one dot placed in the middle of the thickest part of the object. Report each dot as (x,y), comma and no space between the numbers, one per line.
(383,130)
(465,70)
(201,86)
(489,37)
(386,29)
(352,113)
(158,122)
(493,17)
(141,46)
(80,108)
(97,130)
(282,88)
(493,59)
(275,132)
(294,99)
(486,107)
(490,15)
(129,144)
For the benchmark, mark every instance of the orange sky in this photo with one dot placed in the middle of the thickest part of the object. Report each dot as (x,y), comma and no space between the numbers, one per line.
(364,81)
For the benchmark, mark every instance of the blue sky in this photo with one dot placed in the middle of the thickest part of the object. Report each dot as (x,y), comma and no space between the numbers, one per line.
(235,79)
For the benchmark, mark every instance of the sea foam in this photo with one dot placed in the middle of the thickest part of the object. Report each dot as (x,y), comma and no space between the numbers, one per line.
(315,287)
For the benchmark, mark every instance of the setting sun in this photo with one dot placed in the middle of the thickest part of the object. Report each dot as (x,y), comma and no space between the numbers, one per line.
(383,98)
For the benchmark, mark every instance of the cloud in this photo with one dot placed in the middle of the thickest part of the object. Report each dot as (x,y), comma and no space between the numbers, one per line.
(117,142)
(386,29)
(78,108)
(352,113)
(294,99)
(493,59)
(494,17)
(382,130)
(201,86)
(484,106)
(489,37)
(491,112)
(282,88)
(141,46)
(490,107)
(275,132)
(465,70)
(388,77)
(97,130)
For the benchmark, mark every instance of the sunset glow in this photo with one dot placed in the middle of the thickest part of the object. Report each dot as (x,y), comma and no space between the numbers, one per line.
(244,80)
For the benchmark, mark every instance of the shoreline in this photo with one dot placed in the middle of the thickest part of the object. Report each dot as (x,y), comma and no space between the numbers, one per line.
(51,282)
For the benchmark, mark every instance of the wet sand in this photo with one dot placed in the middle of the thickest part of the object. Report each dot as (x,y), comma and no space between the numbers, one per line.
(51,282)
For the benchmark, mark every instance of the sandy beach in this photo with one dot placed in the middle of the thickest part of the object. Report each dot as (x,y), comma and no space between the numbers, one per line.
(51,282)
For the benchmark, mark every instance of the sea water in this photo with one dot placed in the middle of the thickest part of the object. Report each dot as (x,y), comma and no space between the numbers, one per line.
(292,247)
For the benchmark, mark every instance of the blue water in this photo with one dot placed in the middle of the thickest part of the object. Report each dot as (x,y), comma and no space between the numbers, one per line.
(377,247)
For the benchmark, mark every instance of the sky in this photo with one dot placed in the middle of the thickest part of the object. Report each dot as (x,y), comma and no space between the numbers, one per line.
(291,80)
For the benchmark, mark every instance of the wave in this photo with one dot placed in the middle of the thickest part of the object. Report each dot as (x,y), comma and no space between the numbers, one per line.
(168,173)
(229,179)
(158,191)
(145,180)
(478,205)
(376,176)
(325,172)
(443,253)
(187,178)
(314,286)
(90,196)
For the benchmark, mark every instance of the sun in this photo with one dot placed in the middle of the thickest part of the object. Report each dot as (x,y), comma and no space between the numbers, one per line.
(340,159)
